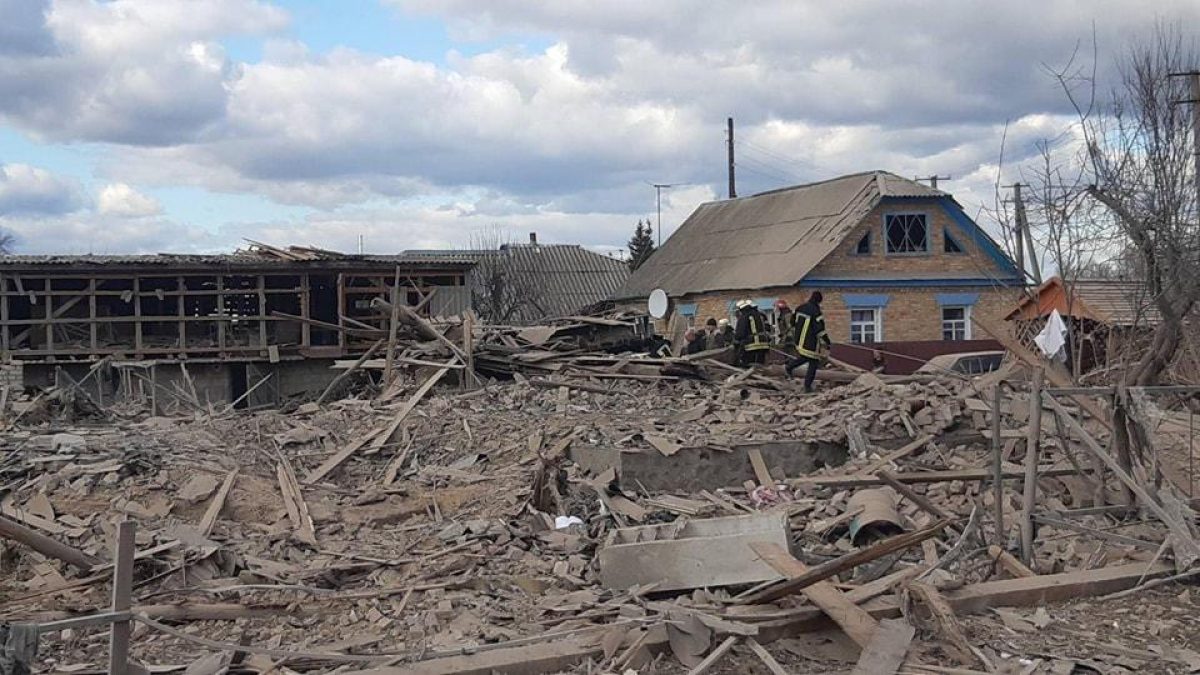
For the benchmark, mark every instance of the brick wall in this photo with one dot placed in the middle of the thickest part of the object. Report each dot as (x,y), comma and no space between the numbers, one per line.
(844,262)
(910,314)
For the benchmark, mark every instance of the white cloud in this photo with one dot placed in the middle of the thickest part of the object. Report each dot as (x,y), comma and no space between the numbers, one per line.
(29,191)
(562,140)
(121,200)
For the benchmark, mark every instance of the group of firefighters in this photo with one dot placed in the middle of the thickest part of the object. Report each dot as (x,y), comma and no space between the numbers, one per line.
(751,339)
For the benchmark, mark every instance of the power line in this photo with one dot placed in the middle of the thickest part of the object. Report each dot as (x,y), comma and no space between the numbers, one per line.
(803,164)
(774,177)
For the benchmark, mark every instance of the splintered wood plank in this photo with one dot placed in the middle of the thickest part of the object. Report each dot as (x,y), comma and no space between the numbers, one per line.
(887,649)
(716,655)
(1183,544)
(384,437)
(765,656)
(335,460)
(948,628)
(896,454)
(1009,563)
(293,502)
(217,503)
(760,468)
(798,582)
(855,621)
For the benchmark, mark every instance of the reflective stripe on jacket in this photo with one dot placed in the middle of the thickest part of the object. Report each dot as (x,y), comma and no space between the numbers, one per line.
(810,331)
(759,339)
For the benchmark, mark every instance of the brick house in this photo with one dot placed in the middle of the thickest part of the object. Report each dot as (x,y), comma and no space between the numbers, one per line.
(900,264)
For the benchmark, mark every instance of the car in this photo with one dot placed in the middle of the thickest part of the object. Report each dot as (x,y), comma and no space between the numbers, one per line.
(967,363)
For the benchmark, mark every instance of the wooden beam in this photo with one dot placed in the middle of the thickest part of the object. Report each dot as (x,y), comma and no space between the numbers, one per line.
(393,327)
(924,477)
(10,529)
(948,628)
(714,656)
(122,599)
(853,619)
(217,503)
(385,437)
(1112,537)
(1033,443)
(552,657)
(346,373)
(793,583)
(1006,560)
(887,649)
(896,454)
(1182,542)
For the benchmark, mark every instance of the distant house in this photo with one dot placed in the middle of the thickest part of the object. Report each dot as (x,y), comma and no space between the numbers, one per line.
(899,263)
(1104,316)
(522,284)
(1112,302)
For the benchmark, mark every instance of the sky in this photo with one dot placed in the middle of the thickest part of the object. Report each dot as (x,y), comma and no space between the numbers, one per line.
(140,126)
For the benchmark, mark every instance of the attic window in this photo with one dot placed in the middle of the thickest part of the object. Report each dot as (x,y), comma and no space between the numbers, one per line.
(864,245)
(906,233)
(949,245)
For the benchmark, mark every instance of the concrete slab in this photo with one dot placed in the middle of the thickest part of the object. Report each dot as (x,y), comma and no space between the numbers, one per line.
(703,553)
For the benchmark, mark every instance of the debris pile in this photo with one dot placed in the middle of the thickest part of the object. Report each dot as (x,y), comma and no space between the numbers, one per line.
(570,520)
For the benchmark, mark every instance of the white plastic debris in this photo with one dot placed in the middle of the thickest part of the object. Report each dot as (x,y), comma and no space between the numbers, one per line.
(563,522)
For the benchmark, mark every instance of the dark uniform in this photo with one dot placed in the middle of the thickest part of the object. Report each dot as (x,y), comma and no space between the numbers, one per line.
(697,344)
(809,334)
(751,337)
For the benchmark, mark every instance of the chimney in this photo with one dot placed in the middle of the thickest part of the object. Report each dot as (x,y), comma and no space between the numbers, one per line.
(533,238)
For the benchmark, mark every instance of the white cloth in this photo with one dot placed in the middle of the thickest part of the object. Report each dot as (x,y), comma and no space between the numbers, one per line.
(1053,337)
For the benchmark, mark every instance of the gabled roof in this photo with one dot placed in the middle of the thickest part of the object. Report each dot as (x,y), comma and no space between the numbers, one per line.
(1117,302)
(769,239)
(565,277)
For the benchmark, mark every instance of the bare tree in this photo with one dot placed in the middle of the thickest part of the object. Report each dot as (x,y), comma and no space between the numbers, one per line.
(8,242)
(1136,162)
(501,292)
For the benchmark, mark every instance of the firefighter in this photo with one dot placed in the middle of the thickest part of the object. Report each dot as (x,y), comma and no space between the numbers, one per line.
(724,334)
(750,336)
(786,322)
(810,337)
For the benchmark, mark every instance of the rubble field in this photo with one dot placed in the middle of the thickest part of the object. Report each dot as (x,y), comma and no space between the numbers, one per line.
(689,517)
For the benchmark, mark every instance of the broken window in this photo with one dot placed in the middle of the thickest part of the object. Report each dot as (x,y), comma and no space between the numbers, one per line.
(865,325)
(949,245)
(864,245)
(956,323)
(906,233)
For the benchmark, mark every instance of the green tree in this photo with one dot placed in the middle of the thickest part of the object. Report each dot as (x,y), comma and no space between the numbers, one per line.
(641,246)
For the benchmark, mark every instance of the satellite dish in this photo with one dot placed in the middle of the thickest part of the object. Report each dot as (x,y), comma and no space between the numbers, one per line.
(658,303)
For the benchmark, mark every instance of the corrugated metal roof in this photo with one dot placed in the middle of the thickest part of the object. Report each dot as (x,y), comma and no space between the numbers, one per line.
(239,258)
(769,239)
(1117,302)
(565,277)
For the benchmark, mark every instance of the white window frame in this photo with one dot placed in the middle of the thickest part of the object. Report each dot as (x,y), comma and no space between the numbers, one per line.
(876,324)
(887,240)
(965,321)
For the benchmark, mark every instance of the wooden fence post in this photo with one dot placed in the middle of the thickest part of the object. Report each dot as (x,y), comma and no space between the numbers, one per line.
(118,649)
(1033,441)
(997,468)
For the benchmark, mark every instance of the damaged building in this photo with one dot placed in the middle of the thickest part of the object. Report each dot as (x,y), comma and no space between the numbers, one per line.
(223,323)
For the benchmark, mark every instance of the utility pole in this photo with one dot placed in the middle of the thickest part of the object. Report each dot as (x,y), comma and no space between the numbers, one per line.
(1023,232)
(933,180)
(729,146)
